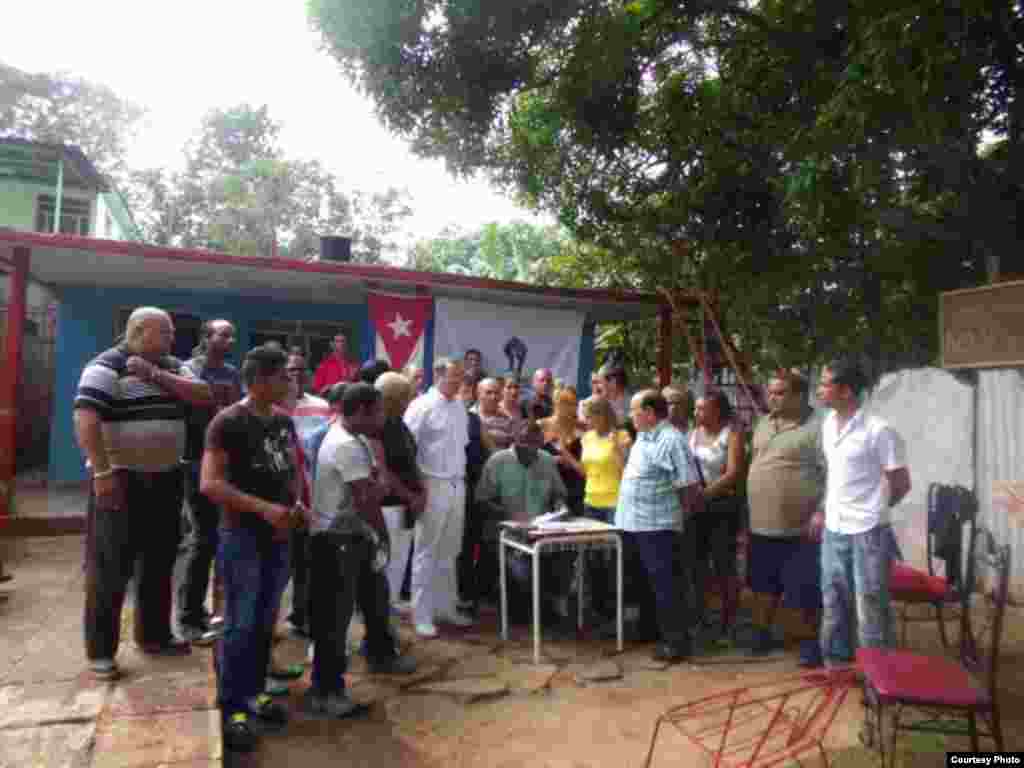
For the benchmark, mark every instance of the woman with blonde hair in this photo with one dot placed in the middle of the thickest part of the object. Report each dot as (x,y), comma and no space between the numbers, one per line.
(562,440)
(604,452)
(406,493)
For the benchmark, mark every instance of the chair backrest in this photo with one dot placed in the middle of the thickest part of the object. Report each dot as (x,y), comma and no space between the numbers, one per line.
(984,607)
(950,508)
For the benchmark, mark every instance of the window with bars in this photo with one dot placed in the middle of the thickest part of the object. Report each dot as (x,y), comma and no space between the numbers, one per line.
(75,215)
(312,338)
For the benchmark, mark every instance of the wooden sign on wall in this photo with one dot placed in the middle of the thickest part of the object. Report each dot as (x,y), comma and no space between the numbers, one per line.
(983,327)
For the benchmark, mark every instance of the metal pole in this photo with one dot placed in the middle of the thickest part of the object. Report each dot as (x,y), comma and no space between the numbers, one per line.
(10,378)
(618,596)
(536,602)
(60,194)
(504,585)
(581,567)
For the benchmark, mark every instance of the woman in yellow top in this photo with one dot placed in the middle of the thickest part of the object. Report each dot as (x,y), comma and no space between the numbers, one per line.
(603,460)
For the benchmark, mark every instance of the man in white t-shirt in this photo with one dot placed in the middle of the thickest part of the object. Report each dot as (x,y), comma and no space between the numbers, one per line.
(348,555)
(867,474)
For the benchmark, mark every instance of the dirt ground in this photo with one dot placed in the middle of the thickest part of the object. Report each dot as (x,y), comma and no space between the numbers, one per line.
(475,702)
(498,710)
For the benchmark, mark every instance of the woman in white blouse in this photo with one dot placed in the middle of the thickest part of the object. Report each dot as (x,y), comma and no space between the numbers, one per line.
(717,445)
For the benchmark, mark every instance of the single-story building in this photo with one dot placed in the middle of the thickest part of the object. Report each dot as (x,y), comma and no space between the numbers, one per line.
(97,283)
(52,188)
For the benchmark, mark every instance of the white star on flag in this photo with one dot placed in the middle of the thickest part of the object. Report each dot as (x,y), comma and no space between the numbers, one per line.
(400,326)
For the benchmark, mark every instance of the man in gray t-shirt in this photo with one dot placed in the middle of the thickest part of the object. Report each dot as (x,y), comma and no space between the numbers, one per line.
(348,554)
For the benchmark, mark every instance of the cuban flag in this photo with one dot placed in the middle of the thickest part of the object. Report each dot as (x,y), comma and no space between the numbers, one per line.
(399,324)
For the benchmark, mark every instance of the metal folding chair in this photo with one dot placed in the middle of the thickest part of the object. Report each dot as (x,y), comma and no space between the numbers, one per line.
(935,594)
(944,695)
(762,725)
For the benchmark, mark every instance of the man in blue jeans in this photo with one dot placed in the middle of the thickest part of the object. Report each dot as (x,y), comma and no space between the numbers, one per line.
(659,493)
(250,468)
(867,474)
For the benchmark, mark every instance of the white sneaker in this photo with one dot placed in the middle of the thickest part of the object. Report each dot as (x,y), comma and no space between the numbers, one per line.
(426,630)
(457,619)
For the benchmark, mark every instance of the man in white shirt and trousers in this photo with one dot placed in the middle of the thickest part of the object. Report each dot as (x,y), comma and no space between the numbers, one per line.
(867,475)
(440,424)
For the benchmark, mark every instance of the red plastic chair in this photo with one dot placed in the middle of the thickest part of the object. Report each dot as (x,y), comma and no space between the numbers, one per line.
(762,725)
(938,590)
(946,695)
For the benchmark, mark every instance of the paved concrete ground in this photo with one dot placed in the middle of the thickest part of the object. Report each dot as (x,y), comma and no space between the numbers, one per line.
(161,713)
(475,702)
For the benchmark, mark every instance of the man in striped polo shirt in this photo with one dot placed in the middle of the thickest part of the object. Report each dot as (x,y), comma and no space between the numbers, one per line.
(130,423)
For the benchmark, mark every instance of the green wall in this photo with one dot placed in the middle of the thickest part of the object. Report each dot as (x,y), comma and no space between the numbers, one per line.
(17,205)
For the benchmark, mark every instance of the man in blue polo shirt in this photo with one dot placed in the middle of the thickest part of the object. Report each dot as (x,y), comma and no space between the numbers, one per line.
(660,492)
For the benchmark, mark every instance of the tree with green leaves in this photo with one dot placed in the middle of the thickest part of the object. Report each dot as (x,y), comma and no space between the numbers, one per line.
(823,162)
(240,193)
(517,250)
(60,108)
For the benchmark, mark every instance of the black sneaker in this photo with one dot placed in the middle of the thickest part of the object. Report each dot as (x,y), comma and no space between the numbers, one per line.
(672,654)
(764,642)
(198,634)
(271,715)
(335,705)
(392,665)
(238,733)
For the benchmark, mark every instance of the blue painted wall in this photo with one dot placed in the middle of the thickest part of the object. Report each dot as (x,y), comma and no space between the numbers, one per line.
(85,324)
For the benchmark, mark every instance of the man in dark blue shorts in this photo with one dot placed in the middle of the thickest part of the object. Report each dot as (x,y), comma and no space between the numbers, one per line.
(785,487)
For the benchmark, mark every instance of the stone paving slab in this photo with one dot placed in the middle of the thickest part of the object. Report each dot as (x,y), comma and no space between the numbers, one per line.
(468,690)
(487,665)
(24,705)
(599,672)
(49,658)
(157,740)
(529,679)
(162,693)
(52,746)
(422,713)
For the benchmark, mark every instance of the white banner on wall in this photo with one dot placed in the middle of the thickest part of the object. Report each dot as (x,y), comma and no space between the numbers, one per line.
(540,338)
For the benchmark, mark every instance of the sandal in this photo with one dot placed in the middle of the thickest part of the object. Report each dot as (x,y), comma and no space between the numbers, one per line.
(289,672)
(274,687)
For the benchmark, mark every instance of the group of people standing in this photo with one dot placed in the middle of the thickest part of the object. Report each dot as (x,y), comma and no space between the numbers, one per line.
(336,489)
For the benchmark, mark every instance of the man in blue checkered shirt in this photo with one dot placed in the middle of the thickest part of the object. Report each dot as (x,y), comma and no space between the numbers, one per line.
(659,493)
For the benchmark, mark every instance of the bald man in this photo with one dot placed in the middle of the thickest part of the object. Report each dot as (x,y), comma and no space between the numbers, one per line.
(130,424)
